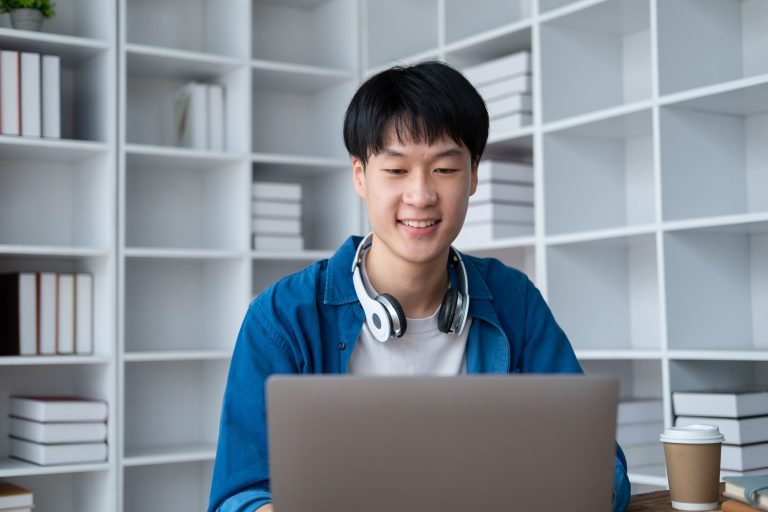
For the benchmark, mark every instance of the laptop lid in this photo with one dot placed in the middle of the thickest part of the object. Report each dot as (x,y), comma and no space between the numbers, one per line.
(490,443)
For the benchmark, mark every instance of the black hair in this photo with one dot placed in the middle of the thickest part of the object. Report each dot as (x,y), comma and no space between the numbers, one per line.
(423,103)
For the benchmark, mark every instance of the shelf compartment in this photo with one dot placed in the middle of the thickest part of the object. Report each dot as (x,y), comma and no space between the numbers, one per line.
(620,278)
(318,33)
(49,150)
(152,61)
(600,175)
(324,224)
(173,207)
(168,488)
(293,78)
(172,405)
(490,46)
(596,58)
(717,287)
(72,49)
(711,41)
(149,112)
(695,375)
(84,490)
(70,20)
(183,305)
(67,203)
(464,19)
(204,26)
(713,154)
(521,257)
(399,29)
(288,122)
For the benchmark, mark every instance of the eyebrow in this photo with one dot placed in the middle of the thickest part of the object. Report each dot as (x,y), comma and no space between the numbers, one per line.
(442,154)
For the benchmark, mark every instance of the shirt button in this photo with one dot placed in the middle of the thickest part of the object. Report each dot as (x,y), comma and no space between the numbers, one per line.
(342,346)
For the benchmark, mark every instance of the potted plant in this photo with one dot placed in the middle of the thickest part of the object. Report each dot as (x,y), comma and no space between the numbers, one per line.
(27,14)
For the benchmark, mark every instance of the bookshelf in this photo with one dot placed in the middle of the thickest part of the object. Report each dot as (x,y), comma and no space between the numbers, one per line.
(651,231)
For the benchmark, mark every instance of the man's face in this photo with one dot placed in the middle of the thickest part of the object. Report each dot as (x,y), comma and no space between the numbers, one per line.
(416,195)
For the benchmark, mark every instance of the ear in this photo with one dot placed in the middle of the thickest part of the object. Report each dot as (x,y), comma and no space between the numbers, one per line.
(358,176)
(473,178)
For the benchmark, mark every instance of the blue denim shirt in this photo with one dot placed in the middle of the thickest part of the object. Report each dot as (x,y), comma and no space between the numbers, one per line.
(309,322)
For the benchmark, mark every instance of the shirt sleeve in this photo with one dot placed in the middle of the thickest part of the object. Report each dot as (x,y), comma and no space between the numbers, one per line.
(241,471)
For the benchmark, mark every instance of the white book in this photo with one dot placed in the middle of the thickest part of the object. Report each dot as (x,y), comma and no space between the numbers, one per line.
(18,314)
(215,104)
(509,105)
(10,104)
(508,123)
(264,226)
(499,212)
(31,101)
(14,497)
(649,454)
(721,404)
(509,172)
(518,63)
(640,411)
(46,313)
(736,431)
(53,433)
(57,408)
(503,193)
(47,454)
(65,314)
(744,458)
(262,208)
(192,116)
(638,433)
(27,314)
(729,472)
(472,234)
(516,85)
(277,243)
(83,313)
(276,191)
(51,96)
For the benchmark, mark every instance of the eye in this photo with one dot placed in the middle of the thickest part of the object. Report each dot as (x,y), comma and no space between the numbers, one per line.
(395,171)
(446,170)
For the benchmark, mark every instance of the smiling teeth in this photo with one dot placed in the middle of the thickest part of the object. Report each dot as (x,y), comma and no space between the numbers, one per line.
(419,223)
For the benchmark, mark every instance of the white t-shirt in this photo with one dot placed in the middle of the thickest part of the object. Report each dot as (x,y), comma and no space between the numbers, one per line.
(422,350)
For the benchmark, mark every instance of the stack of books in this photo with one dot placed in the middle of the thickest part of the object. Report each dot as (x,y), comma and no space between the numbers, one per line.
(14,498)
(741,416)
(502,206)
(46,313)
(639,424)
(30,94)
(200,114)
(58,430)
(276,221)
(746,493)
(505,85)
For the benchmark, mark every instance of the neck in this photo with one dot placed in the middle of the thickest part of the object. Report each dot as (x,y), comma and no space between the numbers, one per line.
(418,287)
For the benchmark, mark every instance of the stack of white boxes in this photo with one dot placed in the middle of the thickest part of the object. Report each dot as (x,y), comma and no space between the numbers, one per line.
(502,206)
(639,424)
(276,221)
(505,85)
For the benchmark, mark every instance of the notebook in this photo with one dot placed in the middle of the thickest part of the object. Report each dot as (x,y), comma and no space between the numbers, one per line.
(448,444)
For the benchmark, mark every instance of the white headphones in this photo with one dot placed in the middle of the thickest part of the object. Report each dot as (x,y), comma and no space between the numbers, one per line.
(384,315)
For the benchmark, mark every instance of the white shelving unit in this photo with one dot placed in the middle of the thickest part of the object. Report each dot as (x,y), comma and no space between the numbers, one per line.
(651,197)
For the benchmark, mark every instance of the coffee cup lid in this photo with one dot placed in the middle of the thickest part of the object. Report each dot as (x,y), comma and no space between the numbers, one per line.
(692,434)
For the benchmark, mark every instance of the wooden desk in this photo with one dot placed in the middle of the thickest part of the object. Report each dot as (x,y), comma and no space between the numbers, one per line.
(652,502)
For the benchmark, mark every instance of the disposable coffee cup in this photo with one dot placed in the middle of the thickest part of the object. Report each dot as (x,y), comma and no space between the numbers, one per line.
(692,454)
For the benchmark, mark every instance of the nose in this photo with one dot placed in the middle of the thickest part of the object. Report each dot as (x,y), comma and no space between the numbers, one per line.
(419,190)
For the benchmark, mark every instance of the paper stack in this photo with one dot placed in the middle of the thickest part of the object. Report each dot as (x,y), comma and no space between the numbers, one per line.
(502,206)
(14,498)
(276,221)
(58,430)
(505,85)
(638,426)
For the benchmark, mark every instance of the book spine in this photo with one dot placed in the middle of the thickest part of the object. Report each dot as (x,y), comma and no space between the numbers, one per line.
(10,105)
(10,330)
(51,96)
(84,313)
(65,314)
(215,117)
(31,106)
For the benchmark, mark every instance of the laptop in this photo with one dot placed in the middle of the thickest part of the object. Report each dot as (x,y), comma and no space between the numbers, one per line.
(541,443)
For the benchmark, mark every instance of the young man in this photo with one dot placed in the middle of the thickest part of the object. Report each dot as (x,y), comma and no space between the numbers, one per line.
(416,135)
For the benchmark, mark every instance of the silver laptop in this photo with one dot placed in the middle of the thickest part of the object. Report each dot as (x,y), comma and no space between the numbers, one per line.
(487,443)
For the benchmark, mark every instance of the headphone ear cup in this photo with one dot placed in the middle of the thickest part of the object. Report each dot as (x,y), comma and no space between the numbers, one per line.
(448,310)
(398,324)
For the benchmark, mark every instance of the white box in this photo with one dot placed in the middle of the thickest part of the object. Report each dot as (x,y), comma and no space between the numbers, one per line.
(45,454)
(509,105)
(510,123)
(723,404)
(736,431)
(276,191)
(499,212)
(260,225)
(504,172)
(518,63)
(492,192)
(278,209)
(517,85)
(51,96)
(31,102)
(744,458)
(277,243)
(10,104)
(472,234)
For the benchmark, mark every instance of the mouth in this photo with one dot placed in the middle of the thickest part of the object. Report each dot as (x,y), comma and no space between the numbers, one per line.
(420,224)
